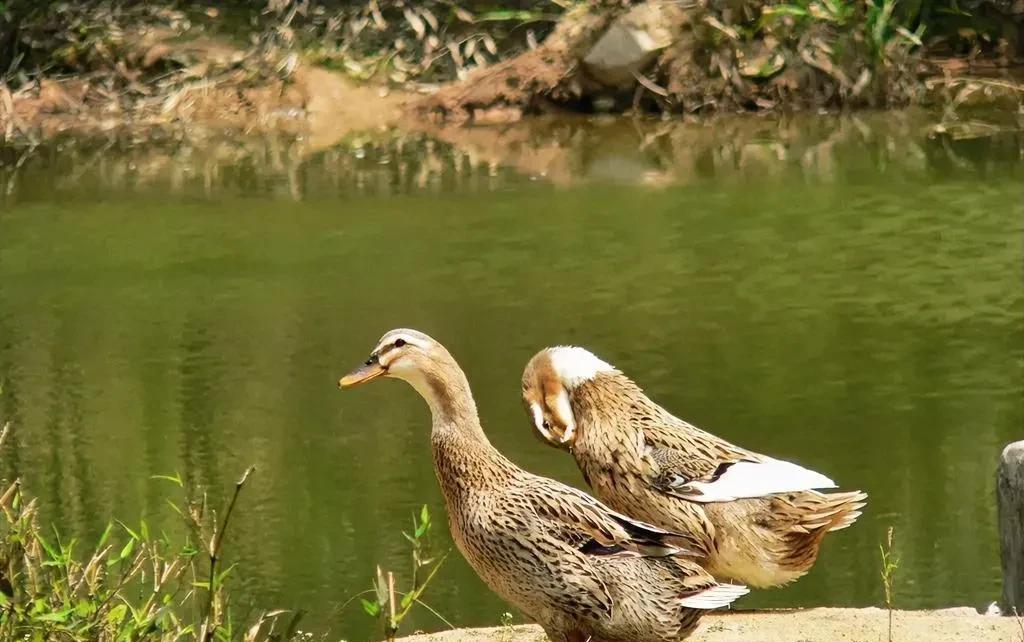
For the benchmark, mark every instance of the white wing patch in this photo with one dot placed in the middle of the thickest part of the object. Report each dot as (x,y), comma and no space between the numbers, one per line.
(756,479)
(715,597)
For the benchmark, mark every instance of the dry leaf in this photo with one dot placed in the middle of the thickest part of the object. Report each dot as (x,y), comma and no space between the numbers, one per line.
(650,85)
(356,25)
(433,42)
(431,19)
(378,19)
(415,22)
(489,44)
(717,24)
(453,49)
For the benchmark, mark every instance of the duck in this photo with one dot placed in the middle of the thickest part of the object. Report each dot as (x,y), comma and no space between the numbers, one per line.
(759,521)
(581,570)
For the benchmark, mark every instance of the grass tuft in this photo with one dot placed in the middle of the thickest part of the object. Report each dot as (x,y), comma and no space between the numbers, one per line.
(890,564)
(130,585)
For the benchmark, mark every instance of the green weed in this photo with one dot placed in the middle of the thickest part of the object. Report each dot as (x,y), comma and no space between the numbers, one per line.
(132,584)
(392,606)
(890,564)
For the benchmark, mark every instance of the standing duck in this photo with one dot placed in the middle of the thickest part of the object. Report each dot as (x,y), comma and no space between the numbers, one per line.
(760,521)
(581,570)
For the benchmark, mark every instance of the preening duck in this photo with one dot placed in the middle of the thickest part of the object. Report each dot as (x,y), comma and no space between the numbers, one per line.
(759,520)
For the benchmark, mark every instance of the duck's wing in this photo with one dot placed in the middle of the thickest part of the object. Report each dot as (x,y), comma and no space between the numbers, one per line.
(697,466)
(594,529)
(573,583)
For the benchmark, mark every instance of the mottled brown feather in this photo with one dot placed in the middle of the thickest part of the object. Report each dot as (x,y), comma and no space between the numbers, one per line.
(578,568)
(633,453)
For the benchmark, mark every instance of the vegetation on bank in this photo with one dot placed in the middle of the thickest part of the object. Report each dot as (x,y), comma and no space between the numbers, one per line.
(131,585)
(137,585)
(176,60)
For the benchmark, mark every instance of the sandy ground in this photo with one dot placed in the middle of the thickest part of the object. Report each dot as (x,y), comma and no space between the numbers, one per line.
(811,625)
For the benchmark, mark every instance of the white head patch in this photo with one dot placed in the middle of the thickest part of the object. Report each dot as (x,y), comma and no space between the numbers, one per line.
(575,365)
(392,359)
(413,337)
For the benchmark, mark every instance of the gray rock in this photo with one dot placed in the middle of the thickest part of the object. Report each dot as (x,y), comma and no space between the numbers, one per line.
(632,42)
(1010,496)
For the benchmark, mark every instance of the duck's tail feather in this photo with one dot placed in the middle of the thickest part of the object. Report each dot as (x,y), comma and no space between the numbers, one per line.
(715,597)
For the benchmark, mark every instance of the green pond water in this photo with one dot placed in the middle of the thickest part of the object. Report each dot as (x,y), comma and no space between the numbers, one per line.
(842,292)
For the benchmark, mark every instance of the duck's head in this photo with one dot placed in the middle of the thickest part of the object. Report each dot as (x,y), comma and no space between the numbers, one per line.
(405,354)
(549,380)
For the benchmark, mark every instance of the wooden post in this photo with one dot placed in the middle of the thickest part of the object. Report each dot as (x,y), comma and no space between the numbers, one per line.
(1010,495)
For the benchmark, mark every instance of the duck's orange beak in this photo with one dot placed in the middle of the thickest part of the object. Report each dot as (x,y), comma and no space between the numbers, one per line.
(366,372)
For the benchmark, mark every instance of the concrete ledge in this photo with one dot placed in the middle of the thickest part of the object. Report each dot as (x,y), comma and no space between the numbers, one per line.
(804,625)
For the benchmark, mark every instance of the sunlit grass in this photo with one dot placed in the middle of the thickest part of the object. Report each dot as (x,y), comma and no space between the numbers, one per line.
(131,584)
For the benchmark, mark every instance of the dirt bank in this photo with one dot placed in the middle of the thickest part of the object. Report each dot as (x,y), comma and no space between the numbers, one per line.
(161,72)
(314,102)
(811,625)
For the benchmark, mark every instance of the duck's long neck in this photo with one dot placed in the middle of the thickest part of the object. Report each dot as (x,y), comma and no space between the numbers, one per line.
(452,407)
(462,452)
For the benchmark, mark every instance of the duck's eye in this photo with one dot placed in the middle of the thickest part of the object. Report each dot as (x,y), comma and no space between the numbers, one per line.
(546,425)
(399,343)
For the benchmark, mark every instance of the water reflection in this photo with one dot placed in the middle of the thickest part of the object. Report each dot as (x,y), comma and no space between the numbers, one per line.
(842,292)
(563,152)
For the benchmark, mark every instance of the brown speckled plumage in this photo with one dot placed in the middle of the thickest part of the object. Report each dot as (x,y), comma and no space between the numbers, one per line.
(579,569)
(636,456)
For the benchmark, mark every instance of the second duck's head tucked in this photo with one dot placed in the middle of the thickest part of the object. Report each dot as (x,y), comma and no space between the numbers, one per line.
(549,380)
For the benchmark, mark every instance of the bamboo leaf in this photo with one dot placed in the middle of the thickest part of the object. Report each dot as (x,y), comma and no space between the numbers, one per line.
(130,532)
(503,15)
(785,10)
(116,615)
(59,616)
(176,478)
(105,536)
(372,608)
(127,550)
(50,550)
